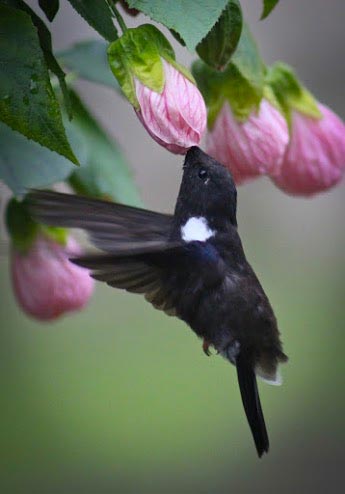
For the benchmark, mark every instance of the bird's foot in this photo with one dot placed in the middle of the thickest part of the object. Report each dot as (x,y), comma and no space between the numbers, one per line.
(206,347)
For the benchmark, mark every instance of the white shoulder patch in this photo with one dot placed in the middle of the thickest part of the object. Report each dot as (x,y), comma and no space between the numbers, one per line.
(196,229)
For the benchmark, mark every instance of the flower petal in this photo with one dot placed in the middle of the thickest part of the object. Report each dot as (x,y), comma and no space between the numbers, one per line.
(251,148)
(46,283)
(176,118)
(315,158)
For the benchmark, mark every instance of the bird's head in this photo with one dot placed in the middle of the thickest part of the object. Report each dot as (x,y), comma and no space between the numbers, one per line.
(207,190)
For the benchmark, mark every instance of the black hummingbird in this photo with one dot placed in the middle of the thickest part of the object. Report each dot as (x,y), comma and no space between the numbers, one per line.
(190,265)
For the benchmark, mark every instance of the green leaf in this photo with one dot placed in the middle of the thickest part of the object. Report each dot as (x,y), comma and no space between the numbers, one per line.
(139,53)
(20,226)
(98,15)
(191,19)
(23,230)
(221,42)
(89,60)
(49,7)
(104,173)
(290,93)
(25,164)
(52,64)
(268,7)
(240,84)
(27,101)
(248,60)
(229,85)
(55,233)
(177,37)
(46,45)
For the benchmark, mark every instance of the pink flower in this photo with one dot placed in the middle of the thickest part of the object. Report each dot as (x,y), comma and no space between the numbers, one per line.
(175,118)
(315,158)
(251,148)
(46,283)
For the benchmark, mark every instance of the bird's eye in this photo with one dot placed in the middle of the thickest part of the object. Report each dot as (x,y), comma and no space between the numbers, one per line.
(203,174)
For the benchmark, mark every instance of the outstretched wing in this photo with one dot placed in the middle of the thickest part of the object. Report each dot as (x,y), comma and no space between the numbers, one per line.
(112,227)
(136,241)
(136,274)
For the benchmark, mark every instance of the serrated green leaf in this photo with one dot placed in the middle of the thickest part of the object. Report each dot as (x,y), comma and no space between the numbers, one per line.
(46,45)
(27,101)
(52,64)
(45,39)
(177,37)
(49,7)
(139,53)
(191,19)
(25,164)
(268,7)
(221,42)
(89,60)
(104,173)
(98,15)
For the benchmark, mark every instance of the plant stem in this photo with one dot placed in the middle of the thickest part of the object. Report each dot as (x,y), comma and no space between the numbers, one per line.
(118,16)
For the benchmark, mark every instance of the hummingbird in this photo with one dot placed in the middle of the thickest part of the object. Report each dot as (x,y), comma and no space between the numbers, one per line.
(190,264)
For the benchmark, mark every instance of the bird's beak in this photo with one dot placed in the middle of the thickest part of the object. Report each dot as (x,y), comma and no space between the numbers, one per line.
(195,155)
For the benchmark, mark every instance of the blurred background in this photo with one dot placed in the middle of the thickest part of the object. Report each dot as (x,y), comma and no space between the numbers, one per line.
(121,398)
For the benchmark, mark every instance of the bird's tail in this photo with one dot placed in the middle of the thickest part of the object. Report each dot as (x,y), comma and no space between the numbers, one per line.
(251,402)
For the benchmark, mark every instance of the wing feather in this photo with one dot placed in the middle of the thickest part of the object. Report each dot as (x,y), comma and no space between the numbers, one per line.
(136,241)
(111,226)
(133,274)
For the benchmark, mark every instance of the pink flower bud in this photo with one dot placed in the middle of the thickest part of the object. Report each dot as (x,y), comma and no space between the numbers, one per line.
(315,158)
(175,118)
(250,148)
(46,283)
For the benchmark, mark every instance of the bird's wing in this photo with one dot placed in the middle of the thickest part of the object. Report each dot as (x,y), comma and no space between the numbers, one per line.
(138,253)
(112,227)
(139,273)
(136,241)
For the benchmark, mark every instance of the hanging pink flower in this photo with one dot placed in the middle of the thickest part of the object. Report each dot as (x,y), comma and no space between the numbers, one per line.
(250,148)
(315,158)
(46,284)
(176,117)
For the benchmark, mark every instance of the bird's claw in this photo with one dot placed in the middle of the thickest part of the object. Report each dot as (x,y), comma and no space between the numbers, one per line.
(206,348)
